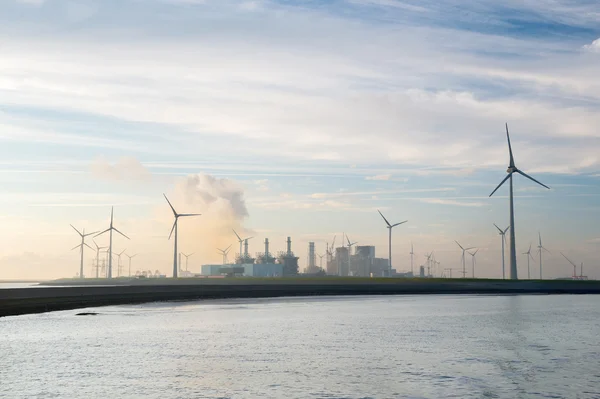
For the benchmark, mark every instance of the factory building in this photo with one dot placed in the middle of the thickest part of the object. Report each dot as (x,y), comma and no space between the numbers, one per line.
(288,260)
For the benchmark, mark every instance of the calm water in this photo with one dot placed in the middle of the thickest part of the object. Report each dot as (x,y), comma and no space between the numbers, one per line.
(359,347)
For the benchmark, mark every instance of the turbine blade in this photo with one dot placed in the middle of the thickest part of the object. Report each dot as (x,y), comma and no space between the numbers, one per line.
(89,234)
(459,245)
(169,202)
(506,229)
(568,259)
(237,235)
(122,252)
(173,228)
(189,214)
(227,249)
(499,229)
(476,252)
(531,178)
(347,238)
(112,212)
(115,229)
(78,232)
(74,248)
(398,224)
(501,183)
(249,238)
(89,246)
(546,250)
(466,249)
(512,159)
(105,231)
(386,221)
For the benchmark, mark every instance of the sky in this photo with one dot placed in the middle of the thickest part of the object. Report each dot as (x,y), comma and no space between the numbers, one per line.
(300,119)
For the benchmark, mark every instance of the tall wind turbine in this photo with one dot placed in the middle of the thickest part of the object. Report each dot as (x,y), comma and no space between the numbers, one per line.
(130,257)
(350,245)
(241,241)
(320,261)
(390,227)
(503,234)
(463,258)
(83,243)
(110,230)
(187,257)
(98,256)
(529,256)
(473,262)
(511,170)
(175,224)
(540,248)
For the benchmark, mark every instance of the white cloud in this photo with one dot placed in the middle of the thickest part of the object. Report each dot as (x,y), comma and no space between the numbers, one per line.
(379,177)
(593,47)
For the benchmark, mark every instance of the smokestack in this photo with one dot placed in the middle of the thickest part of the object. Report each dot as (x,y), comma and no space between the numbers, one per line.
(289,246)
(311,255)
(266,247)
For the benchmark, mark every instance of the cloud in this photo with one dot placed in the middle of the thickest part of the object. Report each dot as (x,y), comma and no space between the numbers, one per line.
(208,192)
(379,177)
(125,169)
(440,201)
(593,47)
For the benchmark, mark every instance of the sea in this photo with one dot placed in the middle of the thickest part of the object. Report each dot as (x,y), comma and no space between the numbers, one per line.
(429,346)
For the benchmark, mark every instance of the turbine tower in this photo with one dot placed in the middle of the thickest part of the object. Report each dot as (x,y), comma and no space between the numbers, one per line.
(510,171)
(177,216)
(390,227)
(110,230)
(473,262)
(529,256)
(98,256)
(503,234)
(130,257)
(187,257)
(540,248)
(83,243)
(241,241)
(463,257)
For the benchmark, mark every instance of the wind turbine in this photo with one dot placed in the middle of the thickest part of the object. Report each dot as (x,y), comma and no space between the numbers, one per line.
(83,243)
(412,254)
(224,252)
(529,256)
(390,227)
(187,257)
(503,234)
(320,260)
(119,262)
(130,257)
(97,256)
(177,216)
(511,170)
(463,257)
(241,241)
(350,245)
(110,230)
(473,262)
(428,256)
(540,247)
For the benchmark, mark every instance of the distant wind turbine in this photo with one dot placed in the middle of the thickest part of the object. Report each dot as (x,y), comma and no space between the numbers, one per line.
(83,243)
(119,262)
(175,224)
(511,170)
(110,230)
(224,253)
(473,262)
(98,248)
(574,266)
(529,256)
(412,254)
(320,260)
(463,257)
(187,257)
(390,227)
(241,241)
(503,234)
(540,248)
(130,257)
(350,245)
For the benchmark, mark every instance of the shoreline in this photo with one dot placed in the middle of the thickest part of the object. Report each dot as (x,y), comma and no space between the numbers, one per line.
(76,294)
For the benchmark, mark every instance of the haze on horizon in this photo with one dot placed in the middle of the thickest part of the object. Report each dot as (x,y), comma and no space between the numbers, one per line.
(297,120)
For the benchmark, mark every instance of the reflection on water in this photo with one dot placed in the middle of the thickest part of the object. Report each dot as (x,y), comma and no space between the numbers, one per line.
(345,347)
